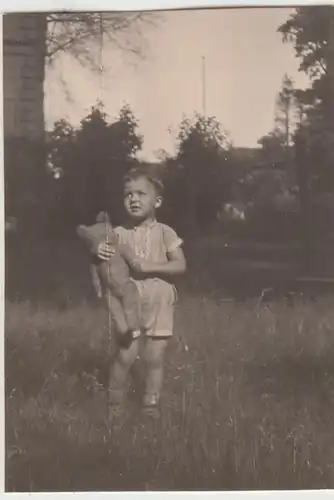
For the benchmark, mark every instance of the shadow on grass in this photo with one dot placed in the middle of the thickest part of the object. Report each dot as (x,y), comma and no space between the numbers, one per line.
(57,464)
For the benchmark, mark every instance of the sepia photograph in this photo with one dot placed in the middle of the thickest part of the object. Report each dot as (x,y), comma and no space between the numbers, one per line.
(169,249)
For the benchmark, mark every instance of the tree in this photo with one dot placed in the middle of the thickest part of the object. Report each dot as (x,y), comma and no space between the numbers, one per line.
(273,146)
(202,153)
(311,30)
(276,144)
(126,139)
(268,189)
(81,34)
(60,141)
(91,162)
(285,107)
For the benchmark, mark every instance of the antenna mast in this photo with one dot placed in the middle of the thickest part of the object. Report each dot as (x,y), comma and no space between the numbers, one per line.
(204,85)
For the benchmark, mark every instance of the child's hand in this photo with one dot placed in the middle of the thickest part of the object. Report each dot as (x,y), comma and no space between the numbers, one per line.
(141,266)
(105,251)
(137,265)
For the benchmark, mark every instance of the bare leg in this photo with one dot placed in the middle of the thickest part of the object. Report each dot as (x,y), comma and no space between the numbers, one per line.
(131,305)
(154,356)
(124,359)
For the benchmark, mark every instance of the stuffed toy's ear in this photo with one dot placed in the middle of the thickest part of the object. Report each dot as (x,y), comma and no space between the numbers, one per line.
(103,217)
(96,234)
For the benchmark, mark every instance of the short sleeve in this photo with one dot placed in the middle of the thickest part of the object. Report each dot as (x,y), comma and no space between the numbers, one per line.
(171,239)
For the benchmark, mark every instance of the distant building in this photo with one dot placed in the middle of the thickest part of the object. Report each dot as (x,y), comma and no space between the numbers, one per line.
(23,74)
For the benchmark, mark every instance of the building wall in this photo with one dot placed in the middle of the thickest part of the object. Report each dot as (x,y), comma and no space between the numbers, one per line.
(23,74)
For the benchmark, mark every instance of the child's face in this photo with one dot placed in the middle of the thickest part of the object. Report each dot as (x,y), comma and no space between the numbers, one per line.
(140,199)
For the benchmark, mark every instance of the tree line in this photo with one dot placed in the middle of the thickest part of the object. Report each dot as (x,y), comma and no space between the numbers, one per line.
(304,121)
(292,167)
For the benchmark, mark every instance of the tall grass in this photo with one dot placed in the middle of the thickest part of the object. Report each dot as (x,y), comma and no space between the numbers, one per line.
(247,403)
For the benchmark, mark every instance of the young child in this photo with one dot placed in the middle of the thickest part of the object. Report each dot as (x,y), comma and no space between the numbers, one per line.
(111,278)
(160,257)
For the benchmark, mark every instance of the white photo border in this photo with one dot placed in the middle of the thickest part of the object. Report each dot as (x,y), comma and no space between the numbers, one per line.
(8,6)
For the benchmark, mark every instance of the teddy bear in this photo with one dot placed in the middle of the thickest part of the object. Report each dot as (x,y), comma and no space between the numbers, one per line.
(112,279)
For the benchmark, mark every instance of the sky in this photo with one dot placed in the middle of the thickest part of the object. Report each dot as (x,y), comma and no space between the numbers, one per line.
(245,62)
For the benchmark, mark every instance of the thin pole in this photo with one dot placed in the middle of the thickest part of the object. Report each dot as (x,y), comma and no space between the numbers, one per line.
(204,85)
(101,68)
(106,221)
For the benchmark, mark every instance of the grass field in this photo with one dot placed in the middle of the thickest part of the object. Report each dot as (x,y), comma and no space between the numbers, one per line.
(248,398)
